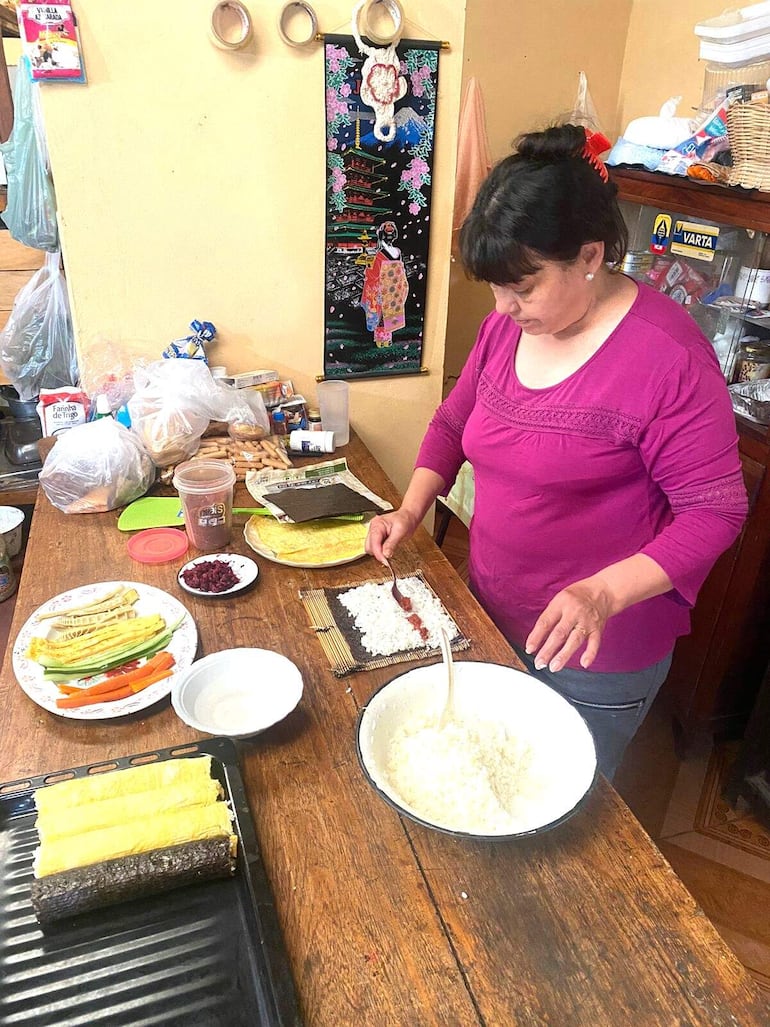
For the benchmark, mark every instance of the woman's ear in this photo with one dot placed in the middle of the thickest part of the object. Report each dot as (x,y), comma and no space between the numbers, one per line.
(591,256)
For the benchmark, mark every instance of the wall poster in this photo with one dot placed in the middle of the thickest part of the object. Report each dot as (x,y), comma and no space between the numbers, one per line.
(380,118)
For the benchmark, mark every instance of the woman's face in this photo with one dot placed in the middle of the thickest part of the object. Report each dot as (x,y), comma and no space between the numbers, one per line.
(551,300)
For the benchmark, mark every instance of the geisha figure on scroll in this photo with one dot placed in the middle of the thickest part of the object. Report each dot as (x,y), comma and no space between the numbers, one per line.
(385,287)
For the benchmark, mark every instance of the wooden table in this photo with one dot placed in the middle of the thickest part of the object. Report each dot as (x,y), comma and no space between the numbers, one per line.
(385,922)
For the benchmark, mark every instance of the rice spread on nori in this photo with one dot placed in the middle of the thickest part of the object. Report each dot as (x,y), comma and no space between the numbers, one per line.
(385,628)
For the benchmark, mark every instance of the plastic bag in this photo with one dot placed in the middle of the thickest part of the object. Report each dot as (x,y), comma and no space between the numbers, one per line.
(96,467)
(30,212)
(665,131)
(37,346)
(174,402)
(584,111)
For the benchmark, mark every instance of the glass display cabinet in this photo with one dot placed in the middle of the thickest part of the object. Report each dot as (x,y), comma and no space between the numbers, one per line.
(707,247)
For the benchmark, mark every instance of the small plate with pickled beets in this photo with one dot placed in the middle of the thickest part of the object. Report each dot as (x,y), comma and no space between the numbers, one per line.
(217,575)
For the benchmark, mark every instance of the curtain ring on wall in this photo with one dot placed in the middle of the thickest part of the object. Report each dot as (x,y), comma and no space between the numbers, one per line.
(230,25)
(284,17)
(395,10)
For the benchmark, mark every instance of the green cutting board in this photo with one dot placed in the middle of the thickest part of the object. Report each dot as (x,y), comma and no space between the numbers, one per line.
(152,512)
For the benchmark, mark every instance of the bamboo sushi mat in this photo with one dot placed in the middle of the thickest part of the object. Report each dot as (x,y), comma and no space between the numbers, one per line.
(339,638)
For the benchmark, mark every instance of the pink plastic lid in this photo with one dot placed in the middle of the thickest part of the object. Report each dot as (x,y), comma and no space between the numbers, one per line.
(157,545)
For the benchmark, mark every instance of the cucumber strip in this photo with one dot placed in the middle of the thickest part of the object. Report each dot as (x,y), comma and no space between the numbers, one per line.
(109,660)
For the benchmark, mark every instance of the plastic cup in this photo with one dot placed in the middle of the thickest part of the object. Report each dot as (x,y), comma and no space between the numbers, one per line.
(333,404)
(205,489)
(11,524)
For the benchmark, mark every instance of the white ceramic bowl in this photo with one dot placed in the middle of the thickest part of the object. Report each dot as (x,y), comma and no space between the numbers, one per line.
(560,769)
(11,524)
(237,692)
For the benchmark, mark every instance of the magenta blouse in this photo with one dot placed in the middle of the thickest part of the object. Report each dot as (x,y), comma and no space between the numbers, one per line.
(636,452)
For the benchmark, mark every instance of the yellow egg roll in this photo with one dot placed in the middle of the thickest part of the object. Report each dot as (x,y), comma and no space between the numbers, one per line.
(111,784)
(151,832)
(66,821)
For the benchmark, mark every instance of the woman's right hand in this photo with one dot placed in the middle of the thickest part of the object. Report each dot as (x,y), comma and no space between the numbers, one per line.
(388,530)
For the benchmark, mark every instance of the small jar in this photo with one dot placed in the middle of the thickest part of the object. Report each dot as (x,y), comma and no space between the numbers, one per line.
(753,361)
(7,575)
(314,420)
(309,442)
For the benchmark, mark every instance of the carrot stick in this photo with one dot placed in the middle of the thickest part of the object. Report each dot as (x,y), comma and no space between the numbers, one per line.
(137,686)
(70,702)
(160,661)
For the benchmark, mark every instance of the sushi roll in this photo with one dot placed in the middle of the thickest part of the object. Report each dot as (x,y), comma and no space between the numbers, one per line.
(125,834)
(72,892)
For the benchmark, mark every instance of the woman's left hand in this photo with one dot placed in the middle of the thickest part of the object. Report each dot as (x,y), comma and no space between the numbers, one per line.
(574,617)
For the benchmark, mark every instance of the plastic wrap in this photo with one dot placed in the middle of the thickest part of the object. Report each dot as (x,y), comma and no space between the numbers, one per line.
(752,399)
(37,345)
(174,402)
(30,213)
(96,467)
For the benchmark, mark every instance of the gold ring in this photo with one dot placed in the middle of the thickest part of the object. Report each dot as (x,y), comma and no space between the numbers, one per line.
(580,631)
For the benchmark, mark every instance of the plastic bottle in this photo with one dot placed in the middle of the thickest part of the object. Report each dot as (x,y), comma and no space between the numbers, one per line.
(102,408)
(311,442)
(279,423)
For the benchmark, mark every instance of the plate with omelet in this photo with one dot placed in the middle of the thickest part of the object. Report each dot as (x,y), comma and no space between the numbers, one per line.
(326,542)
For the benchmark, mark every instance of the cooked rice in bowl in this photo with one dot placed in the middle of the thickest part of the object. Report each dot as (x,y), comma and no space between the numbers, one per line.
(515,759)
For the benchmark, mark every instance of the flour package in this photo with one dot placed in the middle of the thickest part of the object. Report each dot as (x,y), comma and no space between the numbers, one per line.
(61,409)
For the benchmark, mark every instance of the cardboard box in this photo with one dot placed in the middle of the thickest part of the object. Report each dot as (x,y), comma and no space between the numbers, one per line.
(248,379)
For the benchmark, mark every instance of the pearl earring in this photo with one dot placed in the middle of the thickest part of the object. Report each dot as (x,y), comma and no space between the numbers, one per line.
(589,276)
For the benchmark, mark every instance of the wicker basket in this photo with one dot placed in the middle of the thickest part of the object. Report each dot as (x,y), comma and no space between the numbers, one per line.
(748,129)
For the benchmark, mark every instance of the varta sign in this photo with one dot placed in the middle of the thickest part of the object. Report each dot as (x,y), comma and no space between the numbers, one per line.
(693,240)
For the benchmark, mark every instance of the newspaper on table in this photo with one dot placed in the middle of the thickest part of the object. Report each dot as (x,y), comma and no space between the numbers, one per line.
(265,483)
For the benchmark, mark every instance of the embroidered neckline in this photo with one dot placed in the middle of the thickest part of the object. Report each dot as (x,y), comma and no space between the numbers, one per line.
(590,422)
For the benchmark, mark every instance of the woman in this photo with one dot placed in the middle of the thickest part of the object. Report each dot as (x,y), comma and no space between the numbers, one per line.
(602,439)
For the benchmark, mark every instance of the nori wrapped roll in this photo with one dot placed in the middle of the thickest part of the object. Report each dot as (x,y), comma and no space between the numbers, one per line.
(130,877)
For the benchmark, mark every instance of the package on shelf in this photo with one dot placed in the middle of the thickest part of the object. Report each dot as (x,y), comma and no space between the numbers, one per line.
(678,279)
(295,412)
(275,392)
(250,379)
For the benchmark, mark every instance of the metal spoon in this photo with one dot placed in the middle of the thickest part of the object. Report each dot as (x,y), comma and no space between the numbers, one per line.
(401,599)
(448,713)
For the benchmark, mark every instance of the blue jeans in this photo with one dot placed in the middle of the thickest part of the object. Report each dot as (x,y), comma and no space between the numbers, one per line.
(612,705)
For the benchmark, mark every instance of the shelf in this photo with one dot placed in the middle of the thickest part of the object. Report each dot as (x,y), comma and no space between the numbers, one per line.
(746,208)
(8,23)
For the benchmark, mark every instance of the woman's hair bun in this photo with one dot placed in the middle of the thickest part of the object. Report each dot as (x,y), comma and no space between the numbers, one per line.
(553,144)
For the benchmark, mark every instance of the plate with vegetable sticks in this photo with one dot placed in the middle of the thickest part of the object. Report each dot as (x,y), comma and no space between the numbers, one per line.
(104,650)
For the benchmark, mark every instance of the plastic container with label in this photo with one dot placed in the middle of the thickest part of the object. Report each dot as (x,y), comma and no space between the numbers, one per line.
(205,488)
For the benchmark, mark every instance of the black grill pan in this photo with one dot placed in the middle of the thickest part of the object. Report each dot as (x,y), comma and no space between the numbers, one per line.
(209,955)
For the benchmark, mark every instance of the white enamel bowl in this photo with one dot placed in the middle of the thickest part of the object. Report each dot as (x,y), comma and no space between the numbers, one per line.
(563,752)
(237,692)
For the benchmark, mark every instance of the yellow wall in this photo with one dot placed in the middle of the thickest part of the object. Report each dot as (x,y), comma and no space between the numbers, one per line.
(190,183)
(526,57)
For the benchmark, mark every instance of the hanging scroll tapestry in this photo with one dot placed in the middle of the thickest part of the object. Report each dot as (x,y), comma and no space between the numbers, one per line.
(380,117)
